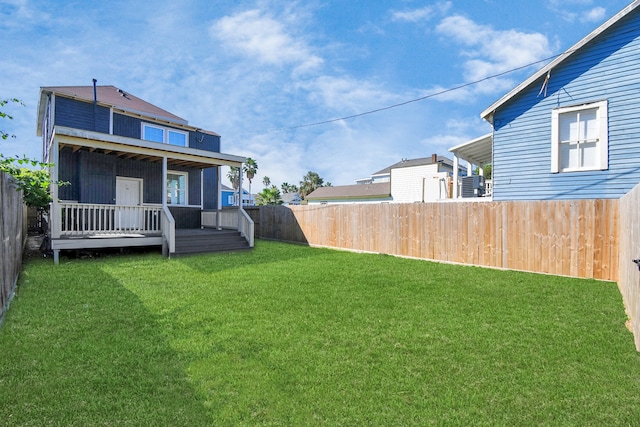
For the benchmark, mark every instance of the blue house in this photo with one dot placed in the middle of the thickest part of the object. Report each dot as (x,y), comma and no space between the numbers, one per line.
(229,197)
(135,174)
(572,130)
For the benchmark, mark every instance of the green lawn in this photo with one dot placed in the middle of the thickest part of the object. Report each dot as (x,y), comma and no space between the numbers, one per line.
(290,335)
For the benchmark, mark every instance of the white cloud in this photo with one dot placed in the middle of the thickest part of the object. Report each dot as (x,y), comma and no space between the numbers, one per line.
(261,37)
(422,14)
(490,51)
(596,14)
(574,10)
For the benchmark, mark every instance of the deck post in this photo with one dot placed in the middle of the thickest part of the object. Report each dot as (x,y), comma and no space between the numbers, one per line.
(240,198)
(456,165)
(219,198)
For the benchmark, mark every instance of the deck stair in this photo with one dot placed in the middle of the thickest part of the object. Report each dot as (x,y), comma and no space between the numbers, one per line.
(194,241)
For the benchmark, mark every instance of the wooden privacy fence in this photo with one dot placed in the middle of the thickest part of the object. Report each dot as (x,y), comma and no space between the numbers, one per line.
(629,280)
(13,233)
(576,238)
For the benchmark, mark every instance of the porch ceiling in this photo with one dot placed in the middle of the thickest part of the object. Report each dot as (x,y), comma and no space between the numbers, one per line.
(131,148)
(478,151)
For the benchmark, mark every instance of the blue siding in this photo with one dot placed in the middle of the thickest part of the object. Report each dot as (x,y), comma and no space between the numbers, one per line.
(605,69)
(131,127)
(92,177)
(80,115)
(126,126)
(211,188)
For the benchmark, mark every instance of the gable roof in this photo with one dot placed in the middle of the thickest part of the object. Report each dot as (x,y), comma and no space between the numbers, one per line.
(111,97)
(355,191)
(487,114)
(407,163)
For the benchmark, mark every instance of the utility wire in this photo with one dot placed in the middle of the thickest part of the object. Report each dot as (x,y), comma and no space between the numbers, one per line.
(431,95)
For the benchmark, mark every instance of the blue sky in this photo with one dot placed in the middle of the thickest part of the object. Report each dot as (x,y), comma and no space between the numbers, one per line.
(257,72)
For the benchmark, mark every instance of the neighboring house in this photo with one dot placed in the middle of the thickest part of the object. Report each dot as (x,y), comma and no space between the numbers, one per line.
(572,130)
(410,180)
(477,153)
(135,174)
(357,193)
(229,196)
(291,199)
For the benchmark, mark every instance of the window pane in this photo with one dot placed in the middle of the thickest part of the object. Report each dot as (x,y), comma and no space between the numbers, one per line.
(176,189)
(568,156)
(153,134)
(177,138)
(589,125)
(569,127)
(589,154)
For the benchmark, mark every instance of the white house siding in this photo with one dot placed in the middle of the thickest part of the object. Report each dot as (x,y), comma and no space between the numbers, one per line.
(407,183)
(605,69)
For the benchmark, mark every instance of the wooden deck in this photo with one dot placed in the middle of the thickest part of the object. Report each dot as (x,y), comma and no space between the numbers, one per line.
(202,240)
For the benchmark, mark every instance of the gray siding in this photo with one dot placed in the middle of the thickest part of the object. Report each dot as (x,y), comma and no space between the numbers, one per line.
(606,69)
(80,115)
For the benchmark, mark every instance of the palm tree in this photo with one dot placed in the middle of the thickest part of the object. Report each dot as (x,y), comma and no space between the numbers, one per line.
(234,177)
(266,181)
(250,169)
(269,196)
(288,188)
(310,182)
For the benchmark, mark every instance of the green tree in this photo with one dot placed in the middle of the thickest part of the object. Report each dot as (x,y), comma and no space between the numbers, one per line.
(33,182)
(250,169)
(310,182)
(288,188)
(234,177)
(269,196)
(4,115)
(266,181)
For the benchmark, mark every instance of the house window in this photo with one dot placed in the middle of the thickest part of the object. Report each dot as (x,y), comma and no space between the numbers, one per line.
(164,135)
(580,138)
(177,188)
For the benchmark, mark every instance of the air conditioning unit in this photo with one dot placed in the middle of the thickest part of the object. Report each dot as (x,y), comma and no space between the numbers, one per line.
(472,186)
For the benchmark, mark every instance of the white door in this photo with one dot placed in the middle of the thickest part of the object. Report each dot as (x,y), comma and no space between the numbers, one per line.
(128,195)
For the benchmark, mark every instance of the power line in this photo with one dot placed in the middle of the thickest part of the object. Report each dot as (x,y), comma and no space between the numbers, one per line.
(422,98)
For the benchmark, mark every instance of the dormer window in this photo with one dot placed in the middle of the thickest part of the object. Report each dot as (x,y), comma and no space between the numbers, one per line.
(164,135)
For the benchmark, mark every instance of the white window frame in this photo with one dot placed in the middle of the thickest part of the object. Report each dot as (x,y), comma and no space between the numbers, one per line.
(165,133)
(602,154)
(186,189)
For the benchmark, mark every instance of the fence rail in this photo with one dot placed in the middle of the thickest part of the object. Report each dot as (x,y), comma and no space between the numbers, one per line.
(576,238)
(13,234)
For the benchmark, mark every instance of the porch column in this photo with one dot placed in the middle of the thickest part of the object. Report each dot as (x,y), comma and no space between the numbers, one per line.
(240,196)
(456,166)
(55,215)
(164,181)
(219,198)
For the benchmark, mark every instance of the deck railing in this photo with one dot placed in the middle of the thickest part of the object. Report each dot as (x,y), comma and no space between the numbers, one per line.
(80,219)
(168,232)
(229,219)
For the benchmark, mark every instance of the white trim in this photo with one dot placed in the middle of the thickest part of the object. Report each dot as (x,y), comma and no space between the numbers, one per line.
(165,134)
(602,161)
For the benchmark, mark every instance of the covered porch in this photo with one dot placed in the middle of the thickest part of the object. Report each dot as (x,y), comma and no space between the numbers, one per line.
(127,222)
(477,153)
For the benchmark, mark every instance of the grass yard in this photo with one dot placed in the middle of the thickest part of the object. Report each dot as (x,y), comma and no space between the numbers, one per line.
(290,335)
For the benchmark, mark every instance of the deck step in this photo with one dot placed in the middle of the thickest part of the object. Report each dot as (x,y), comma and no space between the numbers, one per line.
(194,242)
